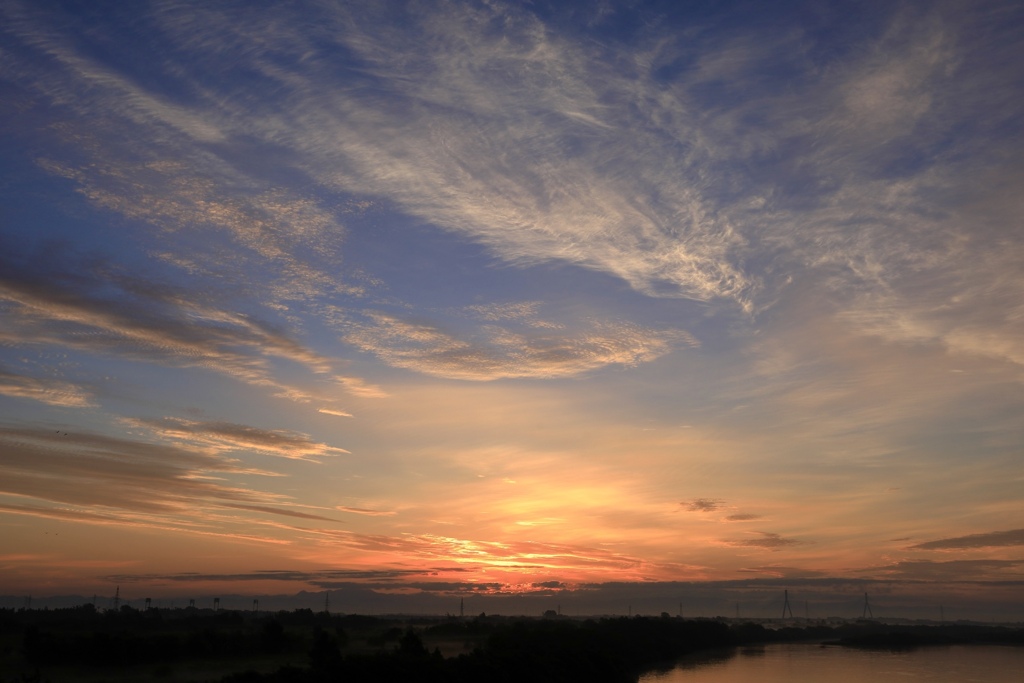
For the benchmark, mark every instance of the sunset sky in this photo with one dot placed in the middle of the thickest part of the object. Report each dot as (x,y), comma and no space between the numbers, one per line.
(617,305)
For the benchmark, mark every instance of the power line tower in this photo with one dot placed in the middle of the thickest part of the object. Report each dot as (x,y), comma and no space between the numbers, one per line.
(216,604)
(327,602)
(255,606)
(785,606)
(117,599)
(867,609)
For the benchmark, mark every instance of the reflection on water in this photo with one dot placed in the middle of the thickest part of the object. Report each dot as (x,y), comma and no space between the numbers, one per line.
(834,664)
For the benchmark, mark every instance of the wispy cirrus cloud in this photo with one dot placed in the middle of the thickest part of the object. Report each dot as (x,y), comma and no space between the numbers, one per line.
(334,411)
(992,539)
(60,301)
(500,352)
(783,572)
(360,387)
(366,511)
(703,504)
(520,311)
(352,575)
(174,181)
(47,390)
(97,516)
(611,166)
(545,202)
(229,210)
(764,539)
(953,570)
(431,580)
(742,517)
(298,514)
(475,555)
(101,479)
(227,437)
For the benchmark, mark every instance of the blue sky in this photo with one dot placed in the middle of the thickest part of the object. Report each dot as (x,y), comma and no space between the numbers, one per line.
(512,299)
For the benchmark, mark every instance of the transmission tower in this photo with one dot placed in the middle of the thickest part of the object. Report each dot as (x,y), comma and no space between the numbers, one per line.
(785,606)
(867,609)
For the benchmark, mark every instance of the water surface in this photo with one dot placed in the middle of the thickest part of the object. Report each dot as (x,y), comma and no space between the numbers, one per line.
(834,664)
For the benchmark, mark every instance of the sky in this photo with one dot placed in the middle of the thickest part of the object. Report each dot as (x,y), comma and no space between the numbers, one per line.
(619,306)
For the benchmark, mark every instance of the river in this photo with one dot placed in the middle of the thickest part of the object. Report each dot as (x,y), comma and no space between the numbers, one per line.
(834,664)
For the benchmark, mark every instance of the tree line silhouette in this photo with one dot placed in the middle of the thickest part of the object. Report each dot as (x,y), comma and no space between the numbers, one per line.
(319,647)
